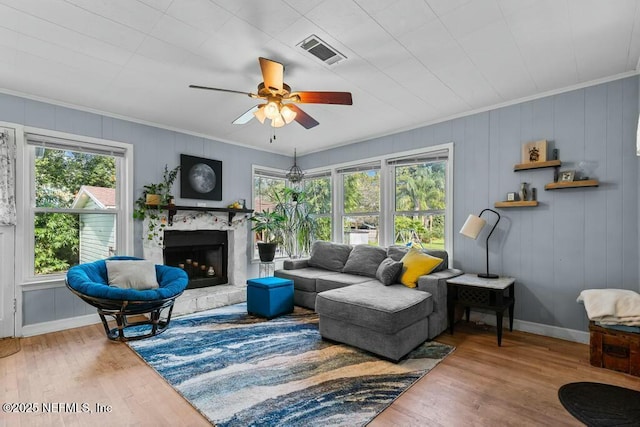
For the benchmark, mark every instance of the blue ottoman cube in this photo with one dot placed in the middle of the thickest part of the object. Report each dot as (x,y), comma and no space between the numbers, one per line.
(269,296)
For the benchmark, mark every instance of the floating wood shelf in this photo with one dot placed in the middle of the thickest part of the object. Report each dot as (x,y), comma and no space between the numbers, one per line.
(537,165)
(572,184)
(174,209)
(517,204)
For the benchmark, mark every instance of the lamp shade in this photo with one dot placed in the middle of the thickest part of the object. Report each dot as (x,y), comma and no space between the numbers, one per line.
(260,113)
(272,110)
(287,114)
(473,226)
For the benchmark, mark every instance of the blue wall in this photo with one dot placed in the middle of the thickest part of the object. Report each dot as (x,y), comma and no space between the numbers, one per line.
(153,148)
(576,238)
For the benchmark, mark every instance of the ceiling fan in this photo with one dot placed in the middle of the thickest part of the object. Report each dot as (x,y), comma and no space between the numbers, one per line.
(280,102)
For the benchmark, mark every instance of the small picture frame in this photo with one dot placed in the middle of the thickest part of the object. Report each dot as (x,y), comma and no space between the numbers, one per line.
(567,176)
(511,197)
(534,152)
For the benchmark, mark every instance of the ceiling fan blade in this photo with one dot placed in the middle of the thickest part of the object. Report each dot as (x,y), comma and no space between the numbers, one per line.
(303,118)
(272,74)
(246,117)
(221,90)
(342,98)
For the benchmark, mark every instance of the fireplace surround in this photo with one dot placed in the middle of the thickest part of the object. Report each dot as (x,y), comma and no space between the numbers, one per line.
(198,223)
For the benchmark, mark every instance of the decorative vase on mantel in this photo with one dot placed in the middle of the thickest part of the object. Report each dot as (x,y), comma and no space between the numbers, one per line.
(523,191)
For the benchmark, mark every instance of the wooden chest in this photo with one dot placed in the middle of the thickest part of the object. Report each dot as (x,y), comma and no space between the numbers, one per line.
(612,349)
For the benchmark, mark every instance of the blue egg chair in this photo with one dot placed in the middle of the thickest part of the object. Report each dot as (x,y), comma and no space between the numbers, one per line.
(89,281)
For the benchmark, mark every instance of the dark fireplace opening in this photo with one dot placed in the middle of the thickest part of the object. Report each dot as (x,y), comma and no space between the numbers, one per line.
(202,254)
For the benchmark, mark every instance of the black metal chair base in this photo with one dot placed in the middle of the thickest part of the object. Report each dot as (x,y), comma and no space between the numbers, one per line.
(120,310)
(156,323)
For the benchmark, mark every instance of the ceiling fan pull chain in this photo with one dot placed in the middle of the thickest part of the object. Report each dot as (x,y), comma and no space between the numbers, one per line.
(272,138)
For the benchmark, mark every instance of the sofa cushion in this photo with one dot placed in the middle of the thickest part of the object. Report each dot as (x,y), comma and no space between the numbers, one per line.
(334,281)
(396,252)
(364,260)
(386,309)
(416,264)
(388,271)
(330,256)
(304,279)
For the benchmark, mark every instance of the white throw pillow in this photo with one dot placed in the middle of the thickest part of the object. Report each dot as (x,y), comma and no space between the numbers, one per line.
(129,274)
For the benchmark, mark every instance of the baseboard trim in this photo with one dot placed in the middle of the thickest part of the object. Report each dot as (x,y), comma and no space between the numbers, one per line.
(533,328)
(59,325)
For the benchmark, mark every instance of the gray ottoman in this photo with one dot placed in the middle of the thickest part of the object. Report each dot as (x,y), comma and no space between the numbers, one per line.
(386,320)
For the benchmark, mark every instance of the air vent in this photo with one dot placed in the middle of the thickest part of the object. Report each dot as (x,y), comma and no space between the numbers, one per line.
(321,50)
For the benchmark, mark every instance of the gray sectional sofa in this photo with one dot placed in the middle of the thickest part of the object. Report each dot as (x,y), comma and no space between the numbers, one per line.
(356,292)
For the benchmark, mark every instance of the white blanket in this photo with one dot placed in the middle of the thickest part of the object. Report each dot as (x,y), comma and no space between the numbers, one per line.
(612,306)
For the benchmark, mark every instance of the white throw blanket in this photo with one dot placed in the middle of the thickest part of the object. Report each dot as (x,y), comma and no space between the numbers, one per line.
(612,306)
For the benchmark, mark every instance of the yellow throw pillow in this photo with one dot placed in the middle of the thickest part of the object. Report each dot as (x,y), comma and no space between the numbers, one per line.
(417,264)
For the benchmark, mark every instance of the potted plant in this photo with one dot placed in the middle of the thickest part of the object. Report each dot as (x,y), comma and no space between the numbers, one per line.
(155,195)
(298,227)
(269,225)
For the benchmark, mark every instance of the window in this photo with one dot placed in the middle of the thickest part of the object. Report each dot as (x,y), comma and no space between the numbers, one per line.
(266,185)
(318,191)
(419,194)
(361,204)
(79,203)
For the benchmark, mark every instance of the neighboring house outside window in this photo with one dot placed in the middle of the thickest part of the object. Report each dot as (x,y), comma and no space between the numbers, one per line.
(97,232)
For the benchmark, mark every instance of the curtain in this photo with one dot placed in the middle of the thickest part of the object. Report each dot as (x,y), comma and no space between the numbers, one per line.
(7,179)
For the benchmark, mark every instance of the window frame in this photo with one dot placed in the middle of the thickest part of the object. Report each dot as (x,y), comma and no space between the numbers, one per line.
(273,173)
(326,174)
(341,173)
(393,187)
(387,196)
(27,210)
(448,196)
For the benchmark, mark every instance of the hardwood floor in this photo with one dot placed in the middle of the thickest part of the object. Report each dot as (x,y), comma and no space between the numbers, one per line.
(479,384)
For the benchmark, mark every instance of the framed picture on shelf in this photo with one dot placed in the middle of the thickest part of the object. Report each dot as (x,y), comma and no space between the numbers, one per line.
(534,152)
(200,178)
(567,176)
(511,197)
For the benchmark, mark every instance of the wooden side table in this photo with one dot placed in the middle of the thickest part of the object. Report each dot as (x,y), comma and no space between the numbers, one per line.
(469,290)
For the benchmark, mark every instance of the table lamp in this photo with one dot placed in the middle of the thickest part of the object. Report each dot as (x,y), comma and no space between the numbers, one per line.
(472,228)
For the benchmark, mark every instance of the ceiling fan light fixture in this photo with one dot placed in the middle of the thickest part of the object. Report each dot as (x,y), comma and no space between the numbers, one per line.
(277,122)
(272,110)
(287,114)
(260,114)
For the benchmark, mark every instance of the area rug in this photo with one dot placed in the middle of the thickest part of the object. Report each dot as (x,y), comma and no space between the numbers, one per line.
(9,346)
(241,370)
(597,404)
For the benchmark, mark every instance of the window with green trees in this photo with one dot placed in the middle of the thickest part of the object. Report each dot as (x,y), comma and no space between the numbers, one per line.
(318,191)
(74,209)
(267,184)
(420,203)
(361,204)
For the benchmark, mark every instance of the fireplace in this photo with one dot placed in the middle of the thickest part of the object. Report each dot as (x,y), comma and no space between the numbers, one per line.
(230,269)
(203,254)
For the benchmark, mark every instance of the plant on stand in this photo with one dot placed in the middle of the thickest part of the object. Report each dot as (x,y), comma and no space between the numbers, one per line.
(268,224)
(149,205)
(298,227)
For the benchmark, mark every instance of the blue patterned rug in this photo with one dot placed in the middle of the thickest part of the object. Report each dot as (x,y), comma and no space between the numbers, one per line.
(241,370)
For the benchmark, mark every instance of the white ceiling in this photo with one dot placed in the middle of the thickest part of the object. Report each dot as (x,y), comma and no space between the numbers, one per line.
(409,62)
